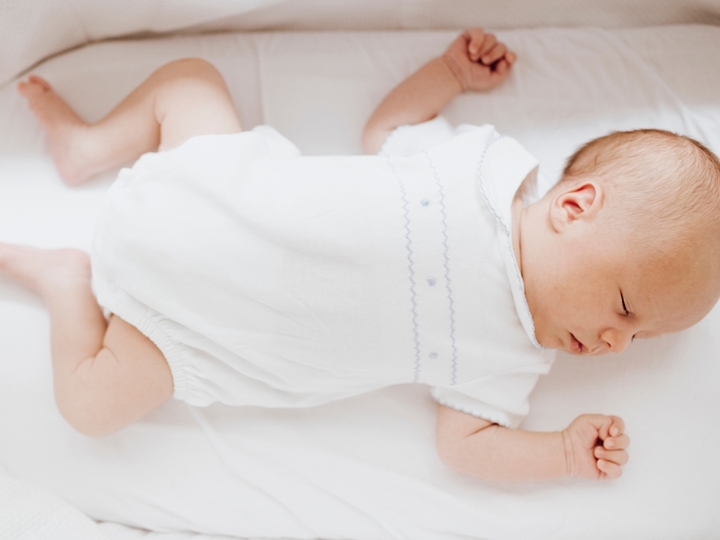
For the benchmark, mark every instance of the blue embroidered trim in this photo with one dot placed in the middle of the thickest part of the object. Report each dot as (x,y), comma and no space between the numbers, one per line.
(447,269)
(416,336)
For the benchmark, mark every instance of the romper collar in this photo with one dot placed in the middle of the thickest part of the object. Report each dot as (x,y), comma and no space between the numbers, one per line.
(506,167)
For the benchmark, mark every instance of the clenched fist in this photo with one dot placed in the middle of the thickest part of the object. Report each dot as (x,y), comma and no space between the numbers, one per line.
(478,60)
(595,446)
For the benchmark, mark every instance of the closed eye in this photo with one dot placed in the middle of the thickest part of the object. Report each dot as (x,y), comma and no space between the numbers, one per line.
(622,299)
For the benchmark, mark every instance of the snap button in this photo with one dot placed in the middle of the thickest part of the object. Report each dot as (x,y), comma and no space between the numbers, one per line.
(431,281)
(424,202)
(433,355)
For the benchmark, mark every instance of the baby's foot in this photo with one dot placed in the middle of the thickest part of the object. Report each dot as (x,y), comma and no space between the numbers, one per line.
(45,270)
(65,130)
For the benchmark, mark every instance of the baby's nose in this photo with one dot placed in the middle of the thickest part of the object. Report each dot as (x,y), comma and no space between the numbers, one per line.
(602,347)
(616,340)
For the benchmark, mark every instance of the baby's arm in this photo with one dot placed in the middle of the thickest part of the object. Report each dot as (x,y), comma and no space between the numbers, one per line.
(593,446)
(475,61)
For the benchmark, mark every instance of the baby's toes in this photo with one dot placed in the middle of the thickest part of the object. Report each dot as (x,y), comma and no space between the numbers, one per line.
(42,83)
(24,88)
(30,91)
(33,88)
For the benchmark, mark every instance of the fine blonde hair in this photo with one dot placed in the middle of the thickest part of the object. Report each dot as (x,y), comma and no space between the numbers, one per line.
(663,184)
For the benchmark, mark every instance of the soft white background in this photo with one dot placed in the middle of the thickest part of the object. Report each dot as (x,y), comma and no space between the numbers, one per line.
(362,468)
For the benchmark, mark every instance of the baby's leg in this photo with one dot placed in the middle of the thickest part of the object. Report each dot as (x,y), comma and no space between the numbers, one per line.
(178,101)
(105,376)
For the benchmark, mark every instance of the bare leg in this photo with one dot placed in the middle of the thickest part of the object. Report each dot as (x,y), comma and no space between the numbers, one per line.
(181,99)
(107,375)
(62,278)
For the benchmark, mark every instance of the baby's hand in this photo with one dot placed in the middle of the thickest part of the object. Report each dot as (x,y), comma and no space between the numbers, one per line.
(595,446)
(478,60)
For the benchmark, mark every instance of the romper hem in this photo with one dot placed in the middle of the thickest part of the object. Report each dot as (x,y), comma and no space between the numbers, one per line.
(150,324)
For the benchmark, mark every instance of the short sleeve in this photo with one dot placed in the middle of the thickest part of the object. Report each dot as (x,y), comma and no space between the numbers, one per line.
(501,398)
(409,139)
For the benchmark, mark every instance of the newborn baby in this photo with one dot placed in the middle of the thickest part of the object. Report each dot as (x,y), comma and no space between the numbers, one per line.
(234,270)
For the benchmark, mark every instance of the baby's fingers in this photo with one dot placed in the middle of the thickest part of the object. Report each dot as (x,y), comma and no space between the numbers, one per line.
(498,74)
(475,38)
(501,68)
(617,426)
(487,45)
(609,470)
(494,54)
(609,426)
(617,443)
(619,457)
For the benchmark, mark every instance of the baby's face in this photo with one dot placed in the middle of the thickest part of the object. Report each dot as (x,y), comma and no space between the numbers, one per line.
(596,297)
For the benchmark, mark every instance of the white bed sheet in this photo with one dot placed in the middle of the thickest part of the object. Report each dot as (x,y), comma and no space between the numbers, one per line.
(32,31)
(366,468)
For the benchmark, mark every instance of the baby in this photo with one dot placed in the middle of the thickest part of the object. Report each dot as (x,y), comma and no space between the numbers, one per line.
(234,270)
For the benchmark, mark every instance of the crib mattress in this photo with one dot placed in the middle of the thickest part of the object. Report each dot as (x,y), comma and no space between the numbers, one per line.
(366,468)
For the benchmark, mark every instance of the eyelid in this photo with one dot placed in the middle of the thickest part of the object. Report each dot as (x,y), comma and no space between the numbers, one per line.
(622,298)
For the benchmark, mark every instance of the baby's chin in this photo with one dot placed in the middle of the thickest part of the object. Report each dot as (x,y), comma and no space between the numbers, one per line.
(551,341)
(547,339)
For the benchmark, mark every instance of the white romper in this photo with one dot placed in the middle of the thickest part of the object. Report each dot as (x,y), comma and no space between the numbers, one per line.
(272,279)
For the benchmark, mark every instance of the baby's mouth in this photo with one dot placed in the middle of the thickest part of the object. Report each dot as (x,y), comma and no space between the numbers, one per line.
(576,347)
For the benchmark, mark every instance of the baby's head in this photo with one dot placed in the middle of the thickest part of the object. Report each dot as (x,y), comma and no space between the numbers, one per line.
(626,245)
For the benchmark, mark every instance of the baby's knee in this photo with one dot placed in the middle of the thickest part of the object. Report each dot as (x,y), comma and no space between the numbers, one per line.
(190,68)
(190,80)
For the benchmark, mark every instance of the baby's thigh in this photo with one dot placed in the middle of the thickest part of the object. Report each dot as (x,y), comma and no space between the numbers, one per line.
(191,100)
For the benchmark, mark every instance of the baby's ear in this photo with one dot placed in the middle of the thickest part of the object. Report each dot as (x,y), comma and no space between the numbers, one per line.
(577,202)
